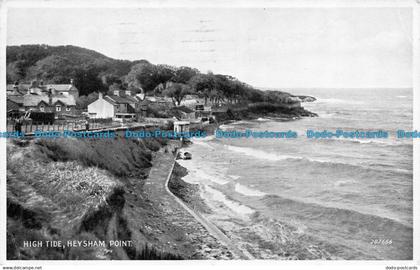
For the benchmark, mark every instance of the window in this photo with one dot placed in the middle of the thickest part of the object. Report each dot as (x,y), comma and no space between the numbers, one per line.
(42,108)
(68,109)
(58,108)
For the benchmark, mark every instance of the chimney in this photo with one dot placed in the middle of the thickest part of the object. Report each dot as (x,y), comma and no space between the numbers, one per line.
(71,81)
(34,84)
(16,86)
(50,97)
(127,92)
(100,95)
(116,92)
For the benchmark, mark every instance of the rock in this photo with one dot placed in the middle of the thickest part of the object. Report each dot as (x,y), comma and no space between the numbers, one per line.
(306,98)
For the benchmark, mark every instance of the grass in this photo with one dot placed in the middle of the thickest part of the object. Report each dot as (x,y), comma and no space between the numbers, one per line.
(69,189)
(65,190)
(121,157)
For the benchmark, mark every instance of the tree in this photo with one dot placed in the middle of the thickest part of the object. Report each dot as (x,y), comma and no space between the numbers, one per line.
(216,96)
(87,80)
(83,101)
(177,91)
(15,71)
(184,74)
(147,76)
(54,69)
(203,84)
(114,86)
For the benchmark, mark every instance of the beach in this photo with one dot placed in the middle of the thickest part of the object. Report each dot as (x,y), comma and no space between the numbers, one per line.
(300,199)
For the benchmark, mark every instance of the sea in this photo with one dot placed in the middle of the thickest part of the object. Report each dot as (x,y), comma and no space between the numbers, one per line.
(312,199)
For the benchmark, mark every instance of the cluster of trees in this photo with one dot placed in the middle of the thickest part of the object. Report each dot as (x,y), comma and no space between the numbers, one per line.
(177,82)
(90,70)
(93,72)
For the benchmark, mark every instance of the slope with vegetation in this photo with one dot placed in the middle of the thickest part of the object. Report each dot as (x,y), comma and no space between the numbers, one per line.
(93,72)
(87,190)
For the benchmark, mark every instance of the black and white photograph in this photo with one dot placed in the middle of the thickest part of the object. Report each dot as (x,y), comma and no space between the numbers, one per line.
(192,132)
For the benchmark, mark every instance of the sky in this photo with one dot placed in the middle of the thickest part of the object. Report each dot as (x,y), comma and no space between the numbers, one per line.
(265,47)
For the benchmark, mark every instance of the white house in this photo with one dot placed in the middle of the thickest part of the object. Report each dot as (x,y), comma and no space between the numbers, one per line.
(118,105)
(192,101)
(101,108)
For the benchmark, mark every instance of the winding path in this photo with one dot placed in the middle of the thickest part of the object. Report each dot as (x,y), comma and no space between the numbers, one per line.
(159,177)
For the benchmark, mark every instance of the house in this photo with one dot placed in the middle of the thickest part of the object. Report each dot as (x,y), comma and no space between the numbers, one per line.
(167,101)
(14,103)
(36,87)
(197,104)
(121,104)
(58,104)
(184,113)
(192,101)
(181,126)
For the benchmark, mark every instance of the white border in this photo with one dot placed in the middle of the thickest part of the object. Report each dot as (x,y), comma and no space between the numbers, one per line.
(267,264)
(3,196)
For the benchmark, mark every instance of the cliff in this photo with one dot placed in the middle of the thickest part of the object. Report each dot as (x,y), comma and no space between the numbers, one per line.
(84,190)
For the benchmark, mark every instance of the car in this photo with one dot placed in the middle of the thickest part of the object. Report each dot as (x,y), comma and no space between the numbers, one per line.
(184,155)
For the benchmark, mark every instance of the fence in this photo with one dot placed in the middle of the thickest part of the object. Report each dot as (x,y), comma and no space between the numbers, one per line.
(30,127)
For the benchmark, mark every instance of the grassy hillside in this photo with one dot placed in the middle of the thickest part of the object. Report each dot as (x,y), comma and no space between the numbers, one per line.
(75,190)
(93,71)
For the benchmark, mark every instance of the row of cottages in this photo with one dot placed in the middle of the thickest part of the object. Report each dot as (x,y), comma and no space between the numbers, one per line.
(57,98)
(58,104)
(36,87)
(121,104)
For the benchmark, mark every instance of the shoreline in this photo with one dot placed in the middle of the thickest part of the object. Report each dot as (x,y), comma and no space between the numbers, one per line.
(320,249)
(192,195)
(135,207)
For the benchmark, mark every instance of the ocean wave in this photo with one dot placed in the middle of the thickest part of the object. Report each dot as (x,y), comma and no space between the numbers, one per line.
(343,217)
(203,143)
(204,139)
(259,153)
(226,127)
(242,122)
(235,206)
(344,183)
(337,101)
(385,142)
(196,174)
(263,119)
(244,190)
(263,155)
(235,177)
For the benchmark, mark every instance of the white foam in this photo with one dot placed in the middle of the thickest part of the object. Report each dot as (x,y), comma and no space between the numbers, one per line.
(232,205)
(263,119)
(337,101)
(225,127)
(259,153)
(203,143)
(244,190)
(343,183)
(196,174)
(203,139)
